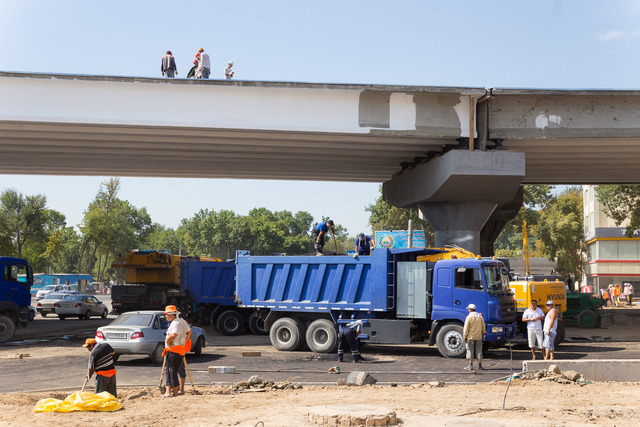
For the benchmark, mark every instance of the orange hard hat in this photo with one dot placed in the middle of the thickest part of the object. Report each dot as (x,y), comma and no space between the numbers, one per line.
(171,309)
(88,342)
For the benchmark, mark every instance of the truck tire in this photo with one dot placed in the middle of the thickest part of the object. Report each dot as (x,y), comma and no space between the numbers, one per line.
(256,324)
(286,334)
(7,328)
(588,319)
(230,323)
(449,341)
(322,336)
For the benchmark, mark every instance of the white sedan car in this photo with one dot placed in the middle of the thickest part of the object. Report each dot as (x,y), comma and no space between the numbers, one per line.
(143,332)
(81,306)
(43,292)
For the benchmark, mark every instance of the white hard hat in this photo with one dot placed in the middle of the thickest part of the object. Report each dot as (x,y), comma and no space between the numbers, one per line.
(231,62)
(471,306)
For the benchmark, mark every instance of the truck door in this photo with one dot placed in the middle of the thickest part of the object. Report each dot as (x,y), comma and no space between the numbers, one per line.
(468,289)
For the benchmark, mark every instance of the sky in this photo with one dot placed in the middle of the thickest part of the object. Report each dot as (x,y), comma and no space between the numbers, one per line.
(545,44)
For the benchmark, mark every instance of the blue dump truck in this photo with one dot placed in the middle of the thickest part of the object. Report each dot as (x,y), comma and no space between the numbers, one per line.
(15,296)
(400,300)
(209,292)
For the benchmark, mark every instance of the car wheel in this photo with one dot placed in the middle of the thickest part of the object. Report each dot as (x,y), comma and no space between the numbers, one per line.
(198,348)
(104,314)
(230,323)
(87,315)
(43,314)
(61,317)
(156,356)
(322,336)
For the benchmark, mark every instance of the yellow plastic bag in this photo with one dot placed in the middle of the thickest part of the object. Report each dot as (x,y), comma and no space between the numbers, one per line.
(80,401)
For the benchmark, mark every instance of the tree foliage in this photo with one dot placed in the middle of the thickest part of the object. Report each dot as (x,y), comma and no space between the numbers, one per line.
(561,232)
(220,234)
(621,203)
(384,216)
(509,242)
(22,219)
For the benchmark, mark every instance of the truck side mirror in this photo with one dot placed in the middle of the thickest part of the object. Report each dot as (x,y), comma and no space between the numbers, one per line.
(504,270)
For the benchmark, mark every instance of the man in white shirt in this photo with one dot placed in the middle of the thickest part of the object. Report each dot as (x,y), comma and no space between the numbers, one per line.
(534,316)
(228,72)
(178,334)
(204,65)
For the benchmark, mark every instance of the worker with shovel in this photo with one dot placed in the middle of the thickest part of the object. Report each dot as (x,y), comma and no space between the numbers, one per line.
(178,334)
(317,234)
(101,362)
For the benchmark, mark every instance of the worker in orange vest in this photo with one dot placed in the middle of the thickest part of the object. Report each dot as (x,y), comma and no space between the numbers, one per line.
(178,334)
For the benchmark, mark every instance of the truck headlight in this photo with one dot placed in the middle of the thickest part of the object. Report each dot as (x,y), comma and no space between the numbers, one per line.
(497,329)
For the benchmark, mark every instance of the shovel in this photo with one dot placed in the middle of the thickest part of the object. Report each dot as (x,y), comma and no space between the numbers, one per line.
(184,359)
(86,378)
(164,364)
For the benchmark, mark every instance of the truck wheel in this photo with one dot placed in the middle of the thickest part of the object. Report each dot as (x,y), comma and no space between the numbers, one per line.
(286,334)
(7,328)
(322,336)
(256,324)
(449,341)
(560,333)
(156,356)
(230,323)
(588,319)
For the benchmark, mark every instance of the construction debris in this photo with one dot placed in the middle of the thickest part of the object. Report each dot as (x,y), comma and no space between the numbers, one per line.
(360,378)
(256,384)
(351,415)
(553,373)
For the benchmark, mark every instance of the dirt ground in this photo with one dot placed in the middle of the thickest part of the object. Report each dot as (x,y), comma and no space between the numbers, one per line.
(527,403)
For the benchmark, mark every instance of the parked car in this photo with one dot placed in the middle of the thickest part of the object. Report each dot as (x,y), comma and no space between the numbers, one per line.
(45,305)
(52,288)
(81,305)
(143,332)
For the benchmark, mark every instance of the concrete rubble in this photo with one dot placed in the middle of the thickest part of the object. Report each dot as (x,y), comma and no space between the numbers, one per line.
(553,373)
(256,384)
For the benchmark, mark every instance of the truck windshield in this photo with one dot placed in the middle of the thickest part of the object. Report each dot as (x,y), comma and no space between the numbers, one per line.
(496,281)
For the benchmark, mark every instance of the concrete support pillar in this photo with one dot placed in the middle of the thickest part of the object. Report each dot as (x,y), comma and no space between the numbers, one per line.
(458,192)
(458,223)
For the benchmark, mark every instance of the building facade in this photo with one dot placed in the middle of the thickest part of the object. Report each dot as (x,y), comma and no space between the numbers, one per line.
(611,256)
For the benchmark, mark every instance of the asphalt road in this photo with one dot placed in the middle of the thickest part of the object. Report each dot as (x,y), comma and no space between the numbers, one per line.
(58,361)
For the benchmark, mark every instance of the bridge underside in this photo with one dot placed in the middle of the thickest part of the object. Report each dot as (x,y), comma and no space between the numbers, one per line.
(41,148)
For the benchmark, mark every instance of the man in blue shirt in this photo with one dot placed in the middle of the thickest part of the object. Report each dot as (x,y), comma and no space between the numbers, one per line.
(364,244)
(317,234)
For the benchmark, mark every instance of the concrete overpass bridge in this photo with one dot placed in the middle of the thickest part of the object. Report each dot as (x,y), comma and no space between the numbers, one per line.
(416,140)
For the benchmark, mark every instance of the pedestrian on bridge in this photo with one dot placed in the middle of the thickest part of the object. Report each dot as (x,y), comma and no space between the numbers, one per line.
(348,334)
(317,234)
(168,65)
(204,65)
(228,72)
(101,362)
(472,335)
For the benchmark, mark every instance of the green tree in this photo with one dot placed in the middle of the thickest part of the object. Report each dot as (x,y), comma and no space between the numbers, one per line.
(621,203)
(509,242)
(384,216)
(111,226)
(561,232)
(161,237)
(22,219)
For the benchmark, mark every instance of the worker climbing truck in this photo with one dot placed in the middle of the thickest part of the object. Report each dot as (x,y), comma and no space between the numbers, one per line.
(15,295)
(399,299)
